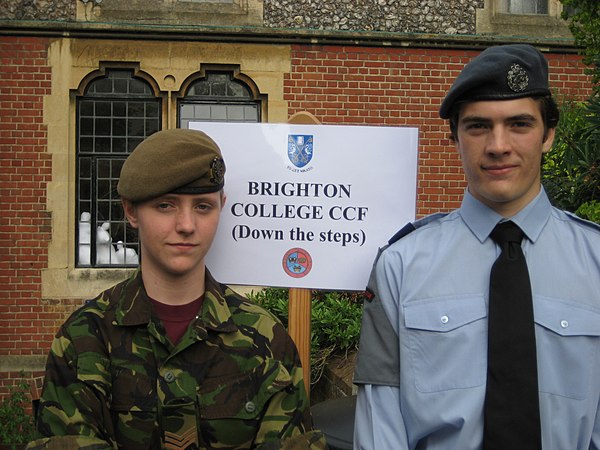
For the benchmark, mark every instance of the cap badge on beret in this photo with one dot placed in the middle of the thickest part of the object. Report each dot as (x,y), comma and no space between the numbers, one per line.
(217,170)
(517,78)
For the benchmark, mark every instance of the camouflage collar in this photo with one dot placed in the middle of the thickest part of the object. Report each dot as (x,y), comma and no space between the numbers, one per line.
(215,314)
(134,306)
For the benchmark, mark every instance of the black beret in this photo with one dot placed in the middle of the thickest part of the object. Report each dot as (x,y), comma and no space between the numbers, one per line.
(502,72)
(180,161)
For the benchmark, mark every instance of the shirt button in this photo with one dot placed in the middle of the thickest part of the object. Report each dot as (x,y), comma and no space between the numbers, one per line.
(444,319)
(250,407)
(169,377)
(564,323)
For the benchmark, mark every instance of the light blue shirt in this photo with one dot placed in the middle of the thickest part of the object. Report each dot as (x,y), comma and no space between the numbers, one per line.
(421,368)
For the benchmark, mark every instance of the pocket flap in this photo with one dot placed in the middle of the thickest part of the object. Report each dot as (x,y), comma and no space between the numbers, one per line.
(243,395)
(444,314)
(567,318)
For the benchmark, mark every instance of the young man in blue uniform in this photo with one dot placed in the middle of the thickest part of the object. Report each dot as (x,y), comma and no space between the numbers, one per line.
(422,368)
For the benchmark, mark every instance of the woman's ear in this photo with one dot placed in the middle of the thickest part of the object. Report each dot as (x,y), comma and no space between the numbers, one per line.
(129,208)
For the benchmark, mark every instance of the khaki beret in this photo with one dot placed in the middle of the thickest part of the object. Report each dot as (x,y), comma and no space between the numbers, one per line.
(503,72)
(180,161)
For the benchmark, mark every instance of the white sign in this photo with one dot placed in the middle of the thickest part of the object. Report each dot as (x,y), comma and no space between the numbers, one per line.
(308,206)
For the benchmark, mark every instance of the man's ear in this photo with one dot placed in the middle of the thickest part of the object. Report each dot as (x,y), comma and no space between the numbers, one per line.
(223,199)
(548,140)
(130,210)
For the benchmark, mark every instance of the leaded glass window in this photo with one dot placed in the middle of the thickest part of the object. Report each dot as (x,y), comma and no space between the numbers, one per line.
(114,115)
(218,98)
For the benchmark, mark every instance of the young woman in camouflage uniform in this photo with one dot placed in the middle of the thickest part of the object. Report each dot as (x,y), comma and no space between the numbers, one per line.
(170,358)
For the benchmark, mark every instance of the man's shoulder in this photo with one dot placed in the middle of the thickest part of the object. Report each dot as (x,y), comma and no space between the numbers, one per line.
(423,223)
(575,220)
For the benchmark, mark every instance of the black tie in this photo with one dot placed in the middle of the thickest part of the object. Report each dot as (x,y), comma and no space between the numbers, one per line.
(512,414)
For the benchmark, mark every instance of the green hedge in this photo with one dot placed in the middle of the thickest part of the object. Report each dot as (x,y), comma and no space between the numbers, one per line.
(335,321)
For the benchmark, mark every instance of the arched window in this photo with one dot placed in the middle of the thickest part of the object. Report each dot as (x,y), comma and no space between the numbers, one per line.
(219,97)
(114,114)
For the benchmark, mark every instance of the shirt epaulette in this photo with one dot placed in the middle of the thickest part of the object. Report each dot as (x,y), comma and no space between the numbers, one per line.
(585,222)
(412,226)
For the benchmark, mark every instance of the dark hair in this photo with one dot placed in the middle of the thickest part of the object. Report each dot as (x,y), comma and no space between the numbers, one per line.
(548,109)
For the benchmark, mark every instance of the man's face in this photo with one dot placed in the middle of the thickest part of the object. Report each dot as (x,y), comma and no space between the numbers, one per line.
(501,145)
(175,231)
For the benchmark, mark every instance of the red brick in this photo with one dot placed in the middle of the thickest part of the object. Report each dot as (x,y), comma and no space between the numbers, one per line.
(339,84)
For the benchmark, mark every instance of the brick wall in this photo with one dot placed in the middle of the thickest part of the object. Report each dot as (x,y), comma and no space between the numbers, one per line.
(25,170)
(401,87)
(338,84)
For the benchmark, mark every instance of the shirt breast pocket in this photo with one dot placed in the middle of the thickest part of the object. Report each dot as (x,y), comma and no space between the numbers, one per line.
(232,406)
(568,342)
(447,342)
(134,410)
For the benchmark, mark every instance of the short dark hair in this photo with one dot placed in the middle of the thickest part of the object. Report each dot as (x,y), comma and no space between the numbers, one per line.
(548,109)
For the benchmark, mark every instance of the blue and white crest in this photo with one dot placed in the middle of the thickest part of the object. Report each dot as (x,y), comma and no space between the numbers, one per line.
(300,149)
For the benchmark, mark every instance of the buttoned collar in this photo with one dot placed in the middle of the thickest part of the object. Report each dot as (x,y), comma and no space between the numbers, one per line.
(481,219)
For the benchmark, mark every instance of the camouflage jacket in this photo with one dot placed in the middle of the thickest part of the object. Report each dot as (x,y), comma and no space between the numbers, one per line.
(114,381)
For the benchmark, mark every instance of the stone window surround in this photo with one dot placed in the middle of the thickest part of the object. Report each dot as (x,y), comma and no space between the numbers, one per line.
(61,279)
(179,12)
(491,20)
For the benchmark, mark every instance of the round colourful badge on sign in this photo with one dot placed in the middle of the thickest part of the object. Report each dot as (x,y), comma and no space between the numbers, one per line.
(297,262)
